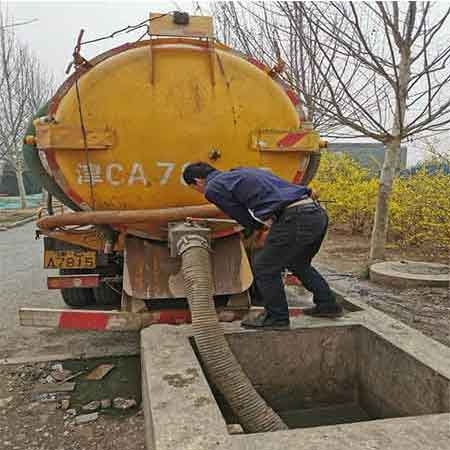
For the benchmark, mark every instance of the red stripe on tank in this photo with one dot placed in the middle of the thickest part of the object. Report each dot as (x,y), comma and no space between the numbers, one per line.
(290,139)
(298,177)
(293,96)
(256,63)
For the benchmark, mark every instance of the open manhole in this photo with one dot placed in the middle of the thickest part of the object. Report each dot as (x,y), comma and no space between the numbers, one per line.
(334,375)
(410,274)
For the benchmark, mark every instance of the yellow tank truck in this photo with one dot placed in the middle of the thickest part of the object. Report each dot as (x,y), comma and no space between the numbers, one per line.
(111,146)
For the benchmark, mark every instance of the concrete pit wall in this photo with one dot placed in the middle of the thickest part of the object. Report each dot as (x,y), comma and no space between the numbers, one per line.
(392,383)
(332,375)
(298,371)
(375,382)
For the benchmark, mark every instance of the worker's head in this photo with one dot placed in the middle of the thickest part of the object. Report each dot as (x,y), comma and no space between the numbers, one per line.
(195,175)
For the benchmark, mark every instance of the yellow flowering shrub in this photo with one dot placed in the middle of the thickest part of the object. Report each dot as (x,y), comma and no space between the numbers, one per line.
(420,210)
(347,190)
(419,207)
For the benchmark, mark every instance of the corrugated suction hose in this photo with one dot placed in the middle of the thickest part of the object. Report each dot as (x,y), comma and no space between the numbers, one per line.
(222,367)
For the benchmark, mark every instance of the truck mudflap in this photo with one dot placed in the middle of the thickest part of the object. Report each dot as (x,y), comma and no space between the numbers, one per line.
(149,271)
(122,321)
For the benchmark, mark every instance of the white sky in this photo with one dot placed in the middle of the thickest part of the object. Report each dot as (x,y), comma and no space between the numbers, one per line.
(52,37)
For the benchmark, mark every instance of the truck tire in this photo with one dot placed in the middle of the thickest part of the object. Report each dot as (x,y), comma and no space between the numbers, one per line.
(108,295)
(76,297)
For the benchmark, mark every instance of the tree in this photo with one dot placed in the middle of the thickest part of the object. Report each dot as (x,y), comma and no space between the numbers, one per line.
(264,31)
(24,87)
(379,71)
(402,49)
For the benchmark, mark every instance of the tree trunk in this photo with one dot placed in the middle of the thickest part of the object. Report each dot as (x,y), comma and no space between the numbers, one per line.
(21,185)
(380,225)
(391,157)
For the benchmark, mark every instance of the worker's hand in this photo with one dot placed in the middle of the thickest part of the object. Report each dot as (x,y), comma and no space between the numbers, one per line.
(260,237)
(267,224)
(314,195)
(256,239)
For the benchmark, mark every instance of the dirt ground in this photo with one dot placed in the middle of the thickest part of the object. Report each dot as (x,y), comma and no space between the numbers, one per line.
(27,423)
(35,425)
(425,309)
(347,252)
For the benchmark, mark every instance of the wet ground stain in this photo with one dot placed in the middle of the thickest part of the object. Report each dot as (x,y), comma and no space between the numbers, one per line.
(124,380)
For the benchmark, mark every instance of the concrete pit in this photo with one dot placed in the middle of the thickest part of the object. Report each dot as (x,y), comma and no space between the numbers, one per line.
(333,375)
(361,382)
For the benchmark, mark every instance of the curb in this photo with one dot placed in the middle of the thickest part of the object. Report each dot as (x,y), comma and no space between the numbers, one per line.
(18,223)
(62,357)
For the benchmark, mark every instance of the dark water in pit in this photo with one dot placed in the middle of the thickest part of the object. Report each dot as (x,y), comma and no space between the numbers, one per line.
(316,416)
(325,415)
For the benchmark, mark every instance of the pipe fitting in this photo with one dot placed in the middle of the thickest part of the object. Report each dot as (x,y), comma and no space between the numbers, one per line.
(191,240)
(186,235)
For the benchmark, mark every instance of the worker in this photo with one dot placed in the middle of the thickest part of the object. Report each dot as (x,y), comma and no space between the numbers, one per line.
(259,200)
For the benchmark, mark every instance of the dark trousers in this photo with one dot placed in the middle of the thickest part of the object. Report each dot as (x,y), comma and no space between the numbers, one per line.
(293,240)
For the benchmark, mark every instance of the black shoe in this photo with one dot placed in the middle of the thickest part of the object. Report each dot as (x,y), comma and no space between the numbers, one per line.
(331,311)
(265,321)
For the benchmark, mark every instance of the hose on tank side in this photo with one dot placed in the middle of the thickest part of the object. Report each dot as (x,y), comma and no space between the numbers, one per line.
(220,363)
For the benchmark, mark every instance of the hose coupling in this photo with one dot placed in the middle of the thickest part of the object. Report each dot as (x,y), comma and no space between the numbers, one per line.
(192,240)
(185,235)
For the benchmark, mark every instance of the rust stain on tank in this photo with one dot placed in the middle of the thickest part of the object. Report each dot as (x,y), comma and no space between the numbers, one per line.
(196,96)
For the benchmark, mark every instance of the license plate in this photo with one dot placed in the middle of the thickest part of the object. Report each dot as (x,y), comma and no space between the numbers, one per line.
(69,259)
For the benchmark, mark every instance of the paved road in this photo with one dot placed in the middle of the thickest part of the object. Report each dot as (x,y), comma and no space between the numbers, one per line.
(23,283)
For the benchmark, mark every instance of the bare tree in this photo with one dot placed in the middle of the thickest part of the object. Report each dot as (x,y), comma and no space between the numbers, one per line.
(18,24)
(374,70)
(437,148)
(264,31)
(402,49)
(24,87)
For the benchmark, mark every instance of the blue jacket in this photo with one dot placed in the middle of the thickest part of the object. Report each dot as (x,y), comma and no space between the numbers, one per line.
(251,196)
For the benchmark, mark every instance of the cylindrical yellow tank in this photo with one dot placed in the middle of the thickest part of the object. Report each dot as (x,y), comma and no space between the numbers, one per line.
(119,137)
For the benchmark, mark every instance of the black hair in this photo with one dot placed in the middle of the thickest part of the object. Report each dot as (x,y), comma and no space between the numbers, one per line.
(197,170)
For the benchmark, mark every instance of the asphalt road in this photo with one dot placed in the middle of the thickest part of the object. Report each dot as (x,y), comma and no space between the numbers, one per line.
(23,284)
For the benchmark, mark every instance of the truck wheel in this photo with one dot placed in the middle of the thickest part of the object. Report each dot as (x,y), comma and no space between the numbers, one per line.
(108,294)
(76,297)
